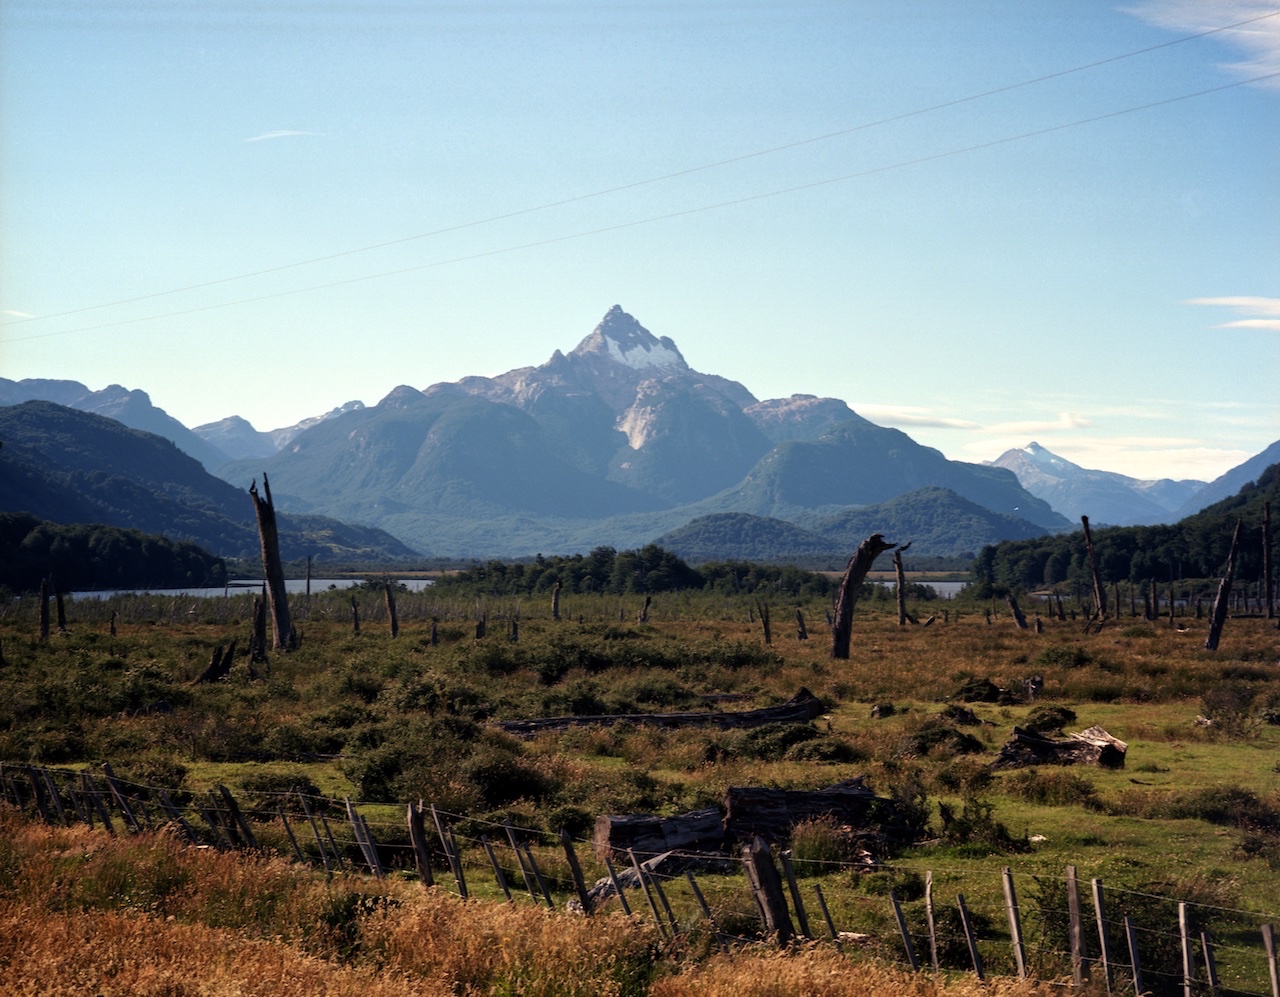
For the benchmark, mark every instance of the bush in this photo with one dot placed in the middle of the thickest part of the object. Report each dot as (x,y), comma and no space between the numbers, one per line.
(771,742)
(1049,720)
(1064,656)
(976,830)
(1052,787)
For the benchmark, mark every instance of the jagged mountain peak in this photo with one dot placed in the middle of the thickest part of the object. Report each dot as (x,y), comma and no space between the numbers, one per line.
(625,341)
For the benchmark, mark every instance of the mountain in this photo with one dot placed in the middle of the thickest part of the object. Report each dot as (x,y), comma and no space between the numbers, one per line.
(1104,496)
(69,466)
(935,521)
(612,443)
(1229,484)
(237,439)
(133,408)
(740,536)
(859,463)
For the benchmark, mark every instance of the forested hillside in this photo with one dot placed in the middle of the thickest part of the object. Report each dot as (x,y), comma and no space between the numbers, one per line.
(1195,547)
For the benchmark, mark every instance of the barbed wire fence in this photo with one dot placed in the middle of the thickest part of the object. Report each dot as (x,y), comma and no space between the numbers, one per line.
(929,920)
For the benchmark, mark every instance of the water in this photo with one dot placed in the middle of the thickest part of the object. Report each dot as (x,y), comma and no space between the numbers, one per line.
(945,590)
(294,586)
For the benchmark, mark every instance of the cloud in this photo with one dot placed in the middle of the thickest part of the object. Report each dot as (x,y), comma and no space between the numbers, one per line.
(1264,313)
(267,136)
(1065,420)
(10,313)
(907,415)
(1258,42)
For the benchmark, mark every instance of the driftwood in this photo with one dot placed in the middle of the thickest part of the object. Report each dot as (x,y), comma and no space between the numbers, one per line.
(800,708)
(1088,747)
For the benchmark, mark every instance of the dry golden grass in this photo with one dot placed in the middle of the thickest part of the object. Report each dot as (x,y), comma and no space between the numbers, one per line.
(84,913)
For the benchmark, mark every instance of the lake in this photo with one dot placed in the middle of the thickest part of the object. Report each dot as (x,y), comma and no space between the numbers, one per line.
(294,586)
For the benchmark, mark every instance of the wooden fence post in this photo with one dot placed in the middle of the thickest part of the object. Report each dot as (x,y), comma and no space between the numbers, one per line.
(363,839)
(1135,965)
(969,936)
(575,870)
(1269,943)
(1104,948)
(648,894)
(928,912)
(1210,964)
(236,816)
(455,861)
(497,869)
(289,831)
(1079,954)
(537,875)
(766,887)
(706,910)
(306,809)
(826,916)
(524,871)
(116,794)
(796,902)
(1188,958)
(391,611)
(1015,923)
(906,935)
(418,839)
(617,887)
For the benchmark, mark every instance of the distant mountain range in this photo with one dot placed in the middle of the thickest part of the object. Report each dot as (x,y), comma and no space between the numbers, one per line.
(618,442)
(68,466)
(1103,496)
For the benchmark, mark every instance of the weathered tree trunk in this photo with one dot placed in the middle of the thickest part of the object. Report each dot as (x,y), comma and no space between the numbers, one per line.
(391,611)
(764,619)
(1087,747)
(854,575)
(802,633)
(355,616)
(1219,615)
(1014,608)
(1267,590)
(903,615)
(1099,590)
(44,609)
(62,612)
(644,611)
(258,641)
(555,601)
(282,633)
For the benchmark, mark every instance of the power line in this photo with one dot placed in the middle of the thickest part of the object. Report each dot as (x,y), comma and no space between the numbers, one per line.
(627,186)
(659,218)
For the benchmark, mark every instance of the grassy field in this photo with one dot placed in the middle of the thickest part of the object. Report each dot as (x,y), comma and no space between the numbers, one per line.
(1193,816)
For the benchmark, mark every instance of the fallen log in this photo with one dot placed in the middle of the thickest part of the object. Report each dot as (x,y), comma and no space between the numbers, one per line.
(1087,747)
(800,708)
(773,813)
(645,834)
(755,810)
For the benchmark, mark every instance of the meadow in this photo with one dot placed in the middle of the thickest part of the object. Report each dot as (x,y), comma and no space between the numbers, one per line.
(383,721)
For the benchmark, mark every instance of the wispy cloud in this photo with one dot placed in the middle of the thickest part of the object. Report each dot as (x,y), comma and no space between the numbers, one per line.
(907,415)
(1263,313)
(1257,42)
(1065,420)
(267,136)
(10,313)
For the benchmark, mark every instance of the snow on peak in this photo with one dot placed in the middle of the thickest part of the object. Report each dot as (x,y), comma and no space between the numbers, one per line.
(625,341)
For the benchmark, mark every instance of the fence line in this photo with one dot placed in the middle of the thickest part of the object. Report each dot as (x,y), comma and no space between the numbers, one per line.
(1180,958)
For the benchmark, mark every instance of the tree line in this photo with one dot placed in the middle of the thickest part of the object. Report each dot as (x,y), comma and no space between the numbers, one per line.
(93,556)
(649,569)
(1195,548)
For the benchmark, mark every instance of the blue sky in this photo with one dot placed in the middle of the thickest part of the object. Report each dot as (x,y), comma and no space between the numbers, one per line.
(984,224)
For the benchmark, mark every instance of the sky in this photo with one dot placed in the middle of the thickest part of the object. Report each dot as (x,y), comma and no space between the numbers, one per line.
(984,224)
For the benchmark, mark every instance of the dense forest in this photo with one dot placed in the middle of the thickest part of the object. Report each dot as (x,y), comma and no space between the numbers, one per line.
(93,556)
(648,570)
(1196,547)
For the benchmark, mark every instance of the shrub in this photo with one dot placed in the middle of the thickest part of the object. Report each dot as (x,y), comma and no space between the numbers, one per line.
(936,736)
(1052,787)
(1064,656)
(976,830)
(1049,719)
(771,742)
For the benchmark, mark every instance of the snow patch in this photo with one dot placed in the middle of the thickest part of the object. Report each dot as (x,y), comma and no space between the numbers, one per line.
(642,356)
